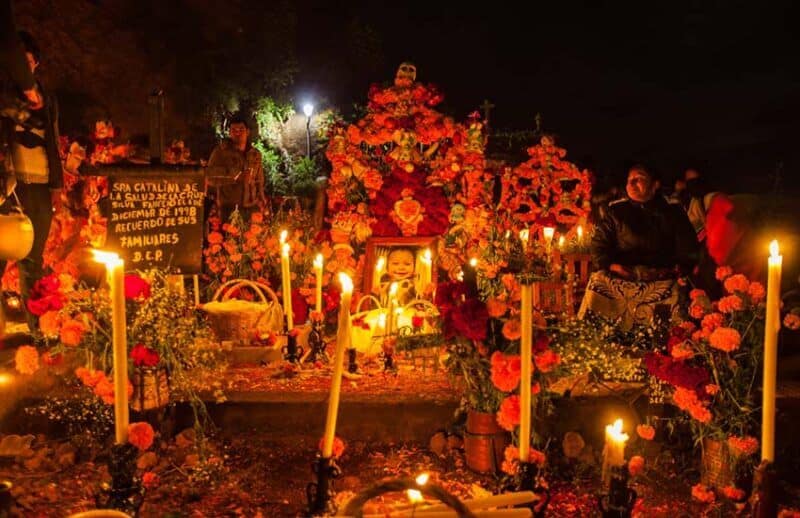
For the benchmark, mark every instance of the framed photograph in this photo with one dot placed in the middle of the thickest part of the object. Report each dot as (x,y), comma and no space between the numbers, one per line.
(408,261)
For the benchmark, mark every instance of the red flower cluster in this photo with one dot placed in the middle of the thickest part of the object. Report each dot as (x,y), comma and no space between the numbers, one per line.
(46,296)
(505,371)
(677,373)
(136,288)
(144,356)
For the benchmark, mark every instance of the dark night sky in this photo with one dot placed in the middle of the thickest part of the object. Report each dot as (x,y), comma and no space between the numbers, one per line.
(667,83)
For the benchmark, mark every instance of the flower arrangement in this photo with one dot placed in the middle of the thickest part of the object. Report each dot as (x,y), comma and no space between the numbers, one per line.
(711,364)
(164,334)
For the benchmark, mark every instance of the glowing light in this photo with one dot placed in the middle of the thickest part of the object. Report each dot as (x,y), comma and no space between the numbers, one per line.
(318,262)
(580,232)
(426,256)
(414,496)
(393,289)
(548,233)
(110,259)
(346,282)
(13,302)
(422,479)
(285,249)
(560,241)
(615,431)
(380,264)
(473,262)
(284,233)
(6,379)
(308,109)
(773,248)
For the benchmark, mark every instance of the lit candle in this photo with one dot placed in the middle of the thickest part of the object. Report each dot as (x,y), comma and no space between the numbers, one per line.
(342,343)
(524,235)
(426,261)
(614,449)
(580,234)
(392,300)
(286,281)
(115,274)
(561,242)
(471,277)
(525,373)
(381,325)
(376,275)
(196,285)
(318,293)
(548,233)
(771,328)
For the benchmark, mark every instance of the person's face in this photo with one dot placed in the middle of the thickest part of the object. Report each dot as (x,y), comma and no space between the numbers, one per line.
(641,188)
(400,265)
(32,63)
(239,133)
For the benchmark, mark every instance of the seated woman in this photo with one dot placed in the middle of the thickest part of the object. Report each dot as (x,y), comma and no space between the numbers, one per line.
(640,248)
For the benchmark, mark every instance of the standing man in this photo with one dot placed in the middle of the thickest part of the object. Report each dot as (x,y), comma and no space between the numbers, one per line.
(235,172)
(640,248)
(33,155)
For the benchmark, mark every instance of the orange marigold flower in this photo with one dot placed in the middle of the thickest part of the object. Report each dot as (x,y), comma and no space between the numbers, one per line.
(745,445)
(730,304)
(512,329)
(510,463)
(636,465)
(712,321)
(696,293)
(756,292)
(215,238)
(725,339)
(141,435)
(723,272)
(646,432)
(505,371)
(737,283)
(26,360)
(72,332)
(537,457)
(149,479)
(712,389)
(703,494)
(696,311)
(792,321)
(733,493)
(509,414)
(547,360)
(686,400)
(338,446)
(496,307)
(682,351)
(50,324)
(257,217)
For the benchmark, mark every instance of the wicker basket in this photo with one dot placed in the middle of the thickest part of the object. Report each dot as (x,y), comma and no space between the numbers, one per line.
(240,320)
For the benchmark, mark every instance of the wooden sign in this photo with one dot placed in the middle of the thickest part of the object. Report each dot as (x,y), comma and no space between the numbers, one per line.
(156,221)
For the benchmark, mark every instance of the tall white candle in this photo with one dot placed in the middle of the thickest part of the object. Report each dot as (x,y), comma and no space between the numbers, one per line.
(426,261)
(771,328)
(390,308)
(580,234)
(380,264)
(614,450)
(342,343)
(525,373)
(115,271)
(318,291)
(286,282)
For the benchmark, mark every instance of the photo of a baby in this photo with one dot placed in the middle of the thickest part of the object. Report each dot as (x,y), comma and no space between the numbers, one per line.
(401,269)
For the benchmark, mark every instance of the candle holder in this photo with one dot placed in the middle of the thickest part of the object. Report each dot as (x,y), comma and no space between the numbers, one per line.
(320,494)
(618,502)
(291,351)
(316,343)
(529,478)
(125,493)
(352,366)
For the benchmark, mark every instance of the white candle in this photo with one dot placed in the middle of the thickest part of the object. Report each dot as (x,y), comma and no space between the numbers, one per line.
(614,449)
(525,373)
(524,235)
(548,233)
(771,328)
(561,242)
(390,307)
(381,331)
(318,292)
(580,234)
(115,271)
(196,286)
(286,282)
(474,504)
(425,277)
(342,343)
(376,274)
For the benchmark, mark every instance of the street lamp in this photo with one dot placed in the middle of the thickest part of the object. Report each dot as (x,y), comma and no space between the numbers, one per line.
(308,109)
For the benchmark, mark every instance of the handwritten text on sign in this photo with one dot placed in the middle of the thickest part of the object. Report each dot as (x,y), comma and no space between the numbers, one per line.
(157,221)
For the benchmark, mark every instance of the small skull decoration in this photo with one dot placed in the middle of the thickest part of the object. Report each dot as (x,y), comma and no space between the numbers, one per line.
(406,74)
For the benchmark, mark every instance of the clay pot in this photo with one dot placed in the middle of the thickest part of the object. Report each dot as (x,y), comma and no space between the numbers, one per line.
(484,442)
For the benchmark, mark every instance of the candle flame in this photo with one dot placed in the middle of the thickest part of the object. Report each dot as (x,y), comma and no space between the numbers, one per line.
(473,262)
(6,379)
(414,496)
(398,311)
(284,233)
(773,248)
(426,255)
(318,262)
(548,232)
(109,259)
(285,249)
(422,479)
(615,431)
(393,289)
(460,275)
(508,234)
(560,241)
(382,320)
(524,234)
(346,282)
(580,231)
(380,264)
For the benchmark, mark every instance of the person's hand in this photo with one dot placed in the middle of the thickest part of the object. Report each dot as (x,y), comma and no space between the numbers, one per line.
(35,99)
(621,271)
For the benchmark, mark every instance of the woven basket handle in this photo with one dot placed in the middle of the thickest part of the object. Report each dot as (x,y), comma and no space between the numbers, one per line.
(428,304)
(223,293)
(368,297)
